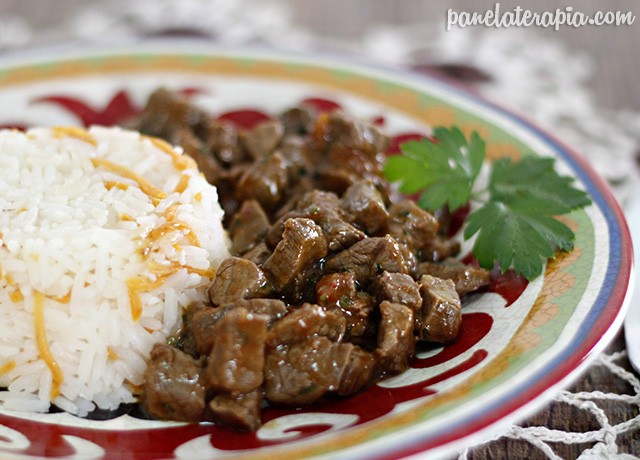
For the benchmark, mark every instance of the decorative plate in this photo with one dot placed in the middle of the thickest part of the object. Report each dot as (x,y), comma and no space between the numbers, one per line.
(518,343)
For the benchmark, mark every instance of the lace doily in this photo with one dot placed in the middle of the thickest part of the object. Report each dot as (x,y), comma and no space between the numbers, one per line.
(517,67)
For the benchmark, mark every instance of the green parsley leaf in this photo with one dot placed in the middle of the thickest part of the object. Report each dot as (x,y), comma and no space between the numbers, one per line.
(445,170)
(515,223)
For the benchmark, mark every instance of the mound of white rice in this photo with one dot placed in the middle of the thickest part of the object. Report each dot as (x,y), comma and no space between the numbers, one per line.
(105,236)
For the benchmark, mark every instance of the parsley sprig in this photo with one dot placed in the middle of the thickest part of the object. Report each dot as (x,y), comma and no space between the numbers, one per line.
(514,216)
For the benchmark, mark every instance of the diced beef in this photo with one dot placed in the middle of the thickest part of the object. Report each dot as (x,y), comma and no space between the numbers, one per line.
(295,152)
(467,278)
(343,130)
(318,199)
(222,143)
(236,411)
(364,204)
(324,209)
(361,163)
(172,388)
(237,278)
(440,315)
(306,321)
(207,164)
(398,288)
(396,342)
(355,148)
(336,290)
(297,120)
(197,328)
(369,257)
(361,320)
(339,291)
(411,224)
(200,319)
(335,179)
(236,360)
(266,181)
(248,227)
(302,372)
(226,186)
(360,371)
(271,309)
(258,254)
(166,113)
(439,249)
(328,298)
(302,245)
(303,186)
(263,138)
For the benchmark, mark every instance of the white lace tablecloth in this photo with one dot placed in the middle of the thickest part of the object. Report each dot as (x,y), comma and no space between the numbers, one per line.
(530,72)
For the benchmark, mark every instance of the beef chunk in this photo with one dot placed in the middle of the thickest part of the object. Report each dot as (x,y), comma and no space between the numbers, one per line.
(466,278)
(364,204)
(345,131)
(237,279)
(302,245)
(411,224)
(335,179)
(222,143)
(303,185)
(306,321)
(396,342)
(369,257)
(324,209)
(236,360)
(297,120)
(360,371)
(439,248)
(200,319)
(271,309)
(167,113)
(226,186)
(266,181)
(336,289)
(294,151)
(248,227)
(301,373)
(194,147)
(198,325)
(398,288)
(258,254)
(440,315)
(318,199)
(239,412)
(263,138)
(172,388)
(354,148)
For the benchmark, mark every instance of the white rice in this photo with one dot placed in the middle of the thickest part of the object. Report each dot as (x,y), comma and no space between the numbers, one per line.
(82,240)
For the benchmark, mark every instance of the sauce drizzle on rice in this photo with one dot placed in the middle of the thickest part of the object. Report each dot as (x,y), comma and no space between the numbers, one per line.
(43,344)
(147,187)
(181,162)
(75,132)
(7,367)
